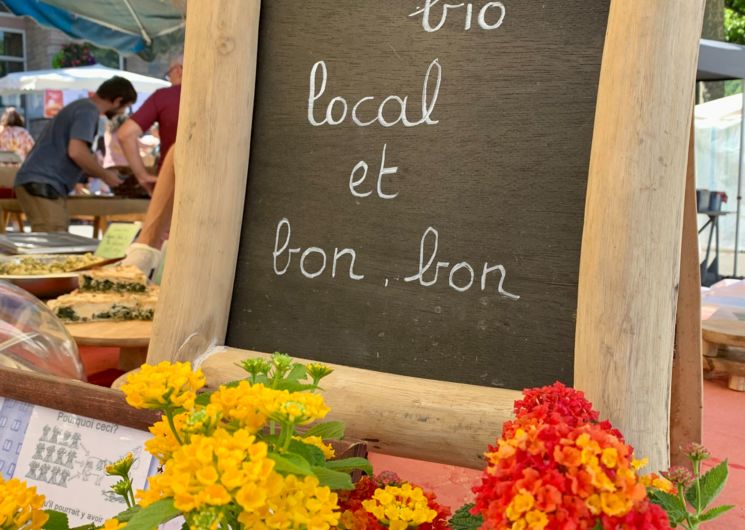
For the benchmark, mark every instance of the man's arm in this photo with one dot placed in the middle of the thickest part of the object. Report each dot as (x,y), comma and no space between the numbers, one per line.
(81,154)
(128,136)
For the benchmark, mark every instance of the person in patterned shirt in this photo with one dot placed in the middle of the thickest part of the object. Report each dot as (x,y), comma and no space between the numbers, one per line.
(13,136)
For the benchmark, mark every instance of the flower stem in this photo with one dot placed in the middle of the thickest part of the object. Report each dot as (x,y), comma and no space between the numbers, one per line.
(289,430)
(697,475)
(169,416)
(689,524)
(131,493)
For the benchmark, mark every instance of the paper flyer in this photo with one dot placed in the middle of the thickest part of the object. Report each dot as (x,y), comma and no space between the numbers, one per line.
(64,455)
(14,417)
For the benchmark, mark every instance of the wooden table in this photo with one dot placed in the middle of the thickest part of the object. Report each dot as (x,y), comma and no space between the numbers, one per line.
(132,337)
(724,350)
(100,208)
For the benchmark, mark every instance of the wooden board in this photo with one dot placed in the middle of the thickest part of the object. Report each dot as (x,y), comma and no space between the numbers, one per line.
(74,397)
(129,334)
(687,403)
(482,175)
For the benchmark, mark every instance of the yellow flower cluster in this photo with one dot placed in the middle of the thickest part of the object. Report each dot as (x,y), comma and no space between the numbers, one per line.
(653,480)
(210,470)
(227,468)
(113,524)
(618,493)
(20,506)
(250,406)
(163,443)
(163,385)
(300,503)
(400,507)
(316,441)
(522,513)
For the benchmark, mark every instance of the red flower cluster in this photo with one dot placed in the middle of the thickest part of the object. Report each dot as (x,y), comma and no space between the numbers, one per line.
(559,404)
(557,468)
(355,517)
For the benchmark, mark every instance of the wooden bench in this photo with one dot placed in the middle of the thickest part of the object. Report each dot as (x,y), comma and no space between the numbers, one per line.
(724,350)
(101,209)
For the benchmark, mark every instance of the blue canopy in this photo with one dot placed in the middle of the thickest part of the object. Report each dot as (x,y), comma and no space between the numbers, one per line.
(145,27)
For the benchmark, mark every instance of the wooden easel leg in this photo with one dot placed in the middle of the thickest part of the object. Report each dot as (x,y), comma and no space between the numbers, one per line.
(686,404)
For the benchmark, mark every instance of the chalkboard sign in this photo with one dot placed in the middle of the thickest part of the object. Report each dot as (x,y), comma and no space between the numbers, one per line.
(417,184)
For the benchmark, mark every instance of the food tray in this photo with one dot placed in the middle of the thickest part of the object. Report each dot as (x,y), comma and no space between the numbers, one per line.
(46,243)
(50,285)
(45,286)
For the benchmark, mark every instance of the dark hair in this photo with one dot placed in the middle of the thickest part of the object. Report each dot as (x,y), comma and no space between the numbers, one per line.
(11,118)
(117,87)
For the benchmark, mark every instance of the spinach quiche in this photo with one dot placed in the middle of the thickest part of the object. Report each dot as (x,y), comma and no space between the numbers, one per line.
(87,306)
(121,279)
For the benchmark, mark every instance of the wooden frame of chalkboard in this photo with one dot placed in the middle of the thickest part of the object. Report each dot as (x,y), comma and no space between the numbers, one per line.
(72,396)
(630,254)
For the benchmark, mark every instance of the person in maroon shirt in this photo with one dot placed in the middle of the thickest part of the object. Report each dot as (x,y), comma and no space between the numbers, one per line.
(161,107)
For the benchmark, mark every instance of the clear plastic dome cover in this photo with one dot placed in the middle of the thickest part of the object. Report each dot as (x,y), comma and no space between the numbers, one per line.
(32,338)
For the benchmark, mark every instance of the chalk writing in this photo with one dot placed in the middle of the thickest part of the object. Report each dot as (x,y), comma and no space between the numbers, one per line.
(490,16)
(355,182)
(337,109)
(391,111)
(284,231)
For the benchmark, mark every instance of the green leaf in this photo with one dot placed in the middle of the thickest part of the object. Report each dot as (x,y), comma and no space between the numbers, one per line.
(56,521)
(463,519)
(310,453)
(297,373)
(127,514)
(676,510)
(156,514)
(293,386)
(711,484)
(330,430)
(350,464)
(598,525)
(333,479)
(203,399)
(715,512)
(290,464)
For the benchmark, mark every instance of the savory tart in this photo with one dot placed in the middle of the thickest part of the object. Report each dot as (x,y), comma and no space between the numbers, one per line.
(121,279)
(86,306)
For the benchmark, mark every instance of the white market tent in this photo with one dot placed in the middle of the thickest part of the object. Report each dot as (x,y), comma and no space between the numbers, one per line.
(720,61)
(78,78)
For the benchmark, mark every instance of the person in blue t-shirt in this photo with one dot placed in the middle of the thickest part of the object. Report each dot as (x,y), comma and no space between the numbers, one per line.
(62,155)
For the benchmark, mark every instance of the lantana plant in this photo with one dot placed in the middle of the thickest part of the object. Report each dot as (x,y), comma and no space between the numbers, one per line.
(255,454)
(557,467)
(688,503)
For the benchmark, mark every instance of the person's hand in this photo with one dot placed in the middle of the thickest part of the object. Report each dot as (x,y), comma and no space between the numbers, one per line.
(80,189)
(147,181)
(111,177)
(144,257)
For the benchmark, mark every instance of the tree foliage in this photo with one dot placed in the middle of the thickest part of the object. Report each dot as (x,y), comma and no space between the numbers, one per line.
(734,21)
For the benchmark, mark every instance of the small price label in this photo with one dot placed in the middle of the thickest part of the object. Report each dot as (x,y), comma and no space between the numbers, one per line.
(116,240)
